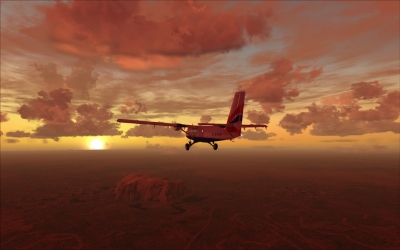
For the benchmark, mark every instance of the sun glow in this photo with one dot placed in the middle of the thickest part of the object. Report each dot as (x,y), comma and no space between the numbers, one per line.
(96,144)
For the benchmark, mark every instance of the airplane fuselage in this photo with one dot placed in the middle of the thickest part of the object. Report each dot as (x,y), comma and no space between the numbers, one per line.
(209,133)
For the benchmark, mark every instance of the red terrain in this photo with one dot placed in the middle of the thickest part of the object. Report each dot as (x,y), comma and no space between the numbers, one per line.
(234,200)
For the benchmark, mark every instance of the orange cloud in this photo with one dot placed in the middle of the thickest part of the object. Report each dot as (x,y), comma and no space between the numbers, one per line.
(54,111)
(257,116)
(128,107)
(205,118)
(367,90)
(49,107)
(277,85)
(257,135)
(3,116)
(348,118)
(18,134)
(343,30)
(82,79)
(49,74)
(11,141)
(134,38)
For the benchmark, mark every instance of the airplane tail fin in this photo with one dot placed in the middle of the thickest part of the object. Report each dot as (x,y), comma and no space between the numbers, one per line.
(234,122)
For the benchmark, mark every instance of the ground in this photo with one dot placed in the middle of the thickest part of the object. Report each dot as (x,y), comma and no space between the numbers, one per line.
(264,199)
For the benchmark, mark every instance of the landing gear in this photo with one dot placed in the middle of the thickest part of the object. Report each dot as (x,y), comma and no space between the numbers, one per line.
(190,143)
(214,145)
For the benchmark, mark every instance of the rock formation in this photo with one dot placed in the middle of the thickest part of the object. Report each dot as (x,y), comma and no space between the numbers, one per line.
(136,187)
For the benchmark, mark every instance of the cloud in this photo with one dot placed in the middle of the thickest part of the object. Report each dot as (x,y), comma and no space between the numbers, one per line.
(279,84)
(3,117)
(257,135)
(128,107)
(82,78)
(367,90)
(349,118)
(131,35)
(347,24)
(153,146)
(49,74)
(149,131)
(257,116)
(205,118)
(345,98)
(18,134)
(340,140)
(11,140)
(54,111)
(49,107)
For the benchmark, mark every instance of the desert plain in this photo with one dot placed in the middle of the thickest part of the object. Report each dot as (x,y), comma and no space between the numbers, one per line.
(235,199)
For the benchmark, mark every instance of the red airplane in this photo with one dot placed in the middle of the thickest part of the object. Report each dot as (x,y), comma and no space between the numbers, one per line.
(210,132)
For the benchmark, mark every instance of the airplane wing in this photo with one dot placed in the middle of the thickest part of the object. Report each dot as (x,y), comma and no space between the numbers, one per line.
(178,125)
(212,124)
(231,125)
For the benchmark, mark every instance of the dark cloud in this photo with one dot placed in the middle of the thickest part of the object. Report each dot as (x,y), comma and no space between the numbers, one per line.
(257,135)
(151,131)
(3,116)
(54,111)
(49,107)
(122,33)
(18,134)
(11,140)
(205,118)
(257,116)
(277,85)
(49,74)
(367,90)
(349,119)
(130,107)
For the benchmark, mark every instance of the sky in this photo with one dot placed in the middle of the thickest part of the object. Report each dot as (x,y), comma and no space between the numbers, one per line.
(321,74)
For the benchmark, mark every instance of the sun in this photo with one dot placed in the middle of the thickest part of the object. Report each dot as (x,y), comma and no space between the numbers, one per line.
(96,144)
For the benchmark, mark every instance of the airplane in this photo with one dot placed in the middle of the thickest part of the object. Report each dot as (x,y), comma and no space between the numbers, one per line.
(210,132)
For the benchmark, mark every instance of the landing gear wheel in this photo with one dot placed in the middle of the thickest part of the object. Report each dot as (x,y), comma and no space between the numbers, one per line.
(187,146)
(215,146)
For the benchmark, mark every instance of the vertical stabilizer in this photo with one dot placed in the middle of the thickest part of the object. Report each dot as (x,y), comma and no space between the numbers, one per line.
(234,122)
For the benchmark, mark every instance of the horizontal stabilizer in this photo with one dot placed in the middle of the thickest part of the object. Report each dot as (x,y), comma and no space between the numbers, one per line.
(254,126)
